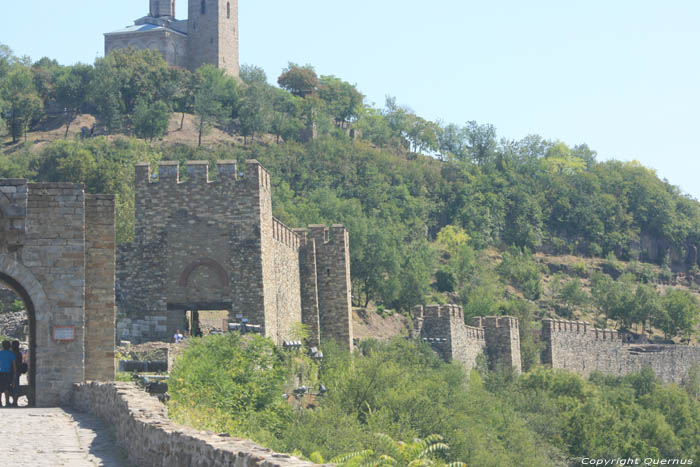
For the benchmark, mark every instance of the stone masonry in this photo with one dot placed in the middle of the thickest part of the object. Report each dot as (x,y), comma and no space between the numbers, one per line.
(142,428)
(444,329)
(214,245)
(208,36)
(57,253)
(581,348)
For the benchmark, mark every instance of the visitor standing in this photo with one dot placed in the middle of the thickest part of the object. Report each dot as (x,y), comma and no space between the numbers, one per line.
(7,371)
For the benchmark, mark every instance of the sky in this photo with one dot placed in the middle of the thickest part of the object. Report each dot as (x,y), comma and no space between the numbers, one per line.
(621,76)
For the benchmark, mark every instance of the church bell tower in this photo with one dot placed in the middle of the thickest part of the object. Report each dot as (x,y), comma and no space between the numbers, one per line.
(212,31)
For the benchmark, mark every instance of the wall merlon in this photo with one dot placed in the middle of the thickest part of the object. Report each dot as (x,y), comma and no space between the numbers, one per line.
(417,311)
(254,170)
(142,172)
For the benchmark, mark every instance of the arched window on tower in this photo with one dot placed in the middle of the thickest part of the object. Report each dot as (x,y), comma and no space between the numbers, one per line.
(228,10)
(204,7)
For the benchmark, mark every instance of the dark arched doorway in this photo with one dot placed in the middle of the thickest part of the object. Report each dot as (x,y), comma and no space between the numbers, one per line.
(31,336)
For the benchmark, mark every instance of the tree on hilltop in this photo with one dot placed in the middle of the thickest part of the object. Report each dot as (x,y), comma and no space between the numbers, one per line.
(23,104)
(250,74)
(72,90)
(343,100)
(214,99)
(301,81)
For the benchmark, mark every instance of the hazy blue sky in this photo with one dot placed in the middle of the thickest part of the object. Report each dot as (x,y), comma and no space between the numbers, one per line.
(622,76)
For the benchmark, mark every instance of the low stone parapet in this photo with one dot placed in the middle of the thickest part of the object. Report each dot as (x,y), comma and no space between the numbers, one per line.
(143,429)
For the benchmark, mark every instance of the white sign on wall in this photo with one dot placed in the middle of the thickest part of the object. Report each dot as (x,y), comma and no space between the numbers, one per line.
(63,333)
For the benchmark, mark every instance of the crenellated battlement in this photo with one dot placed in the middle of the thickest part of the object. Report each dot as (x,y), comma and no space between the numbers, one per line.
(580,328)
(444,328)
(197,172)
(285,235)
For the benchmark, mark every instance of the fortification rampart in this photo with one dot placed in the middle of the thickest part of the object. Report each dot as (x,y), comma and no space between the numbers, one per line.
(142,428)
(443,327)
(582,348)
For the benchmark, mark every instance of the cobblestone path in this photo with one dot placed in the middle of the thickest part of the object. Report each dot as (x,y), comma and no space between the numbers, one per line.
(56,437)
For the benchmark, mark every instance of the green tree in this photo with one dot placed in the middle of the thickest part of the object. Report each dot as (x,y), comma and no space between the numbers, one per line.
(285,121)
(682,313)
(255,112)
(250,74)
(23,105)
(214,100)
(647,306)
(72,91)
(343,100)
(187,84)
(301,81)
(151,121)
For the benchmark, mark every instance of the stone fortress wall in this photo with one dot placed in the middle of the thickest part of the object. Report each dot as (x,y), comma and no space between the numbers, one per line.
(202,244)
(444,329)
(141,426)
(581,348)
(569,345)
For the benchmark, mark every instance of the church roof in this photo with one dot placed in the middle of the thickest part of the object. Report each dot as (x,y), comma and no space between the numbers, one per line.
(147,27)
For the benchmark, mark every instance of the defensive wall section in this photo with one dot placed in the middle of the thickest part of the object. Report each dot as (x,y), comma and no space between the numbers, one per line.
(443,327)
(581,348)
(202,244)
(57,253)
(142,428)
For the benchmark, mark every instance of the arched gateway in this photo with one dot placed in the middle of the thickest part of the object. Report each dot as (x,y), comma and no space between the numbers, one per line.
(57,253)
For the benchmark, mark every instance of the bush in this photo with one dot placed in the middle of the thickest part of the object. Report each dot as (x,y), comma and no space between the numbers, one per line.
(520,268)
(230,383)
(445,281)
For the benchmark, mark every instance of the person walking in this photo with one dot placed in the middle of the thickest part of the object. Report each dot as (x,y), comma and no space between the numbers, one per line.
(7,371)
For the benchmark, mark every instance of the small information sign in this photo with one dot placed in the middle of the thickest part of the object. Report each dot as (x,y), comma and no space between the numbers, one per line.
(63,333)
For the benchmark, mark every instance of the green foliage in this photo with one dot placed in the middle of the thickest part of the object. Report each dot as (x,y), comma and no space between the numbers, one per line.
(214,100)
(72,89)
(390,452)
(343,100)
(521,269)
(229,382)
(250,74)
(301,81)
(445,281)
(681,313)
(16,306)
(150,121)
(22,105)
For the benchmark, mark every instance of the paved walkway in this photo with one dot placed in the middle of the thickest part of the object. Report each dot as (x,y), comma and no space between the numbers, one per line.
(56,437)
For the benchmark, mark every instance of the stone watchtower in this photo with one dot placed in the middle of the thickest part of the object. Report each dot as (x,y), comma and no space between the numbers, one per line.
(213,34)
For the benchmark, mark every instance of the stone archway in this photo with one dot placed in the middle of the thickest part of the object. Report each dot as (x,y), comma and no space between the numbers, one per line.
(23,282)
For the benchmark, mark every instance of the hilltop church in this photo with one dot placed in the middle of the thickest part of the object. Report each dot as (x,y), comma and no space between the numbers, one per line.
(208,36)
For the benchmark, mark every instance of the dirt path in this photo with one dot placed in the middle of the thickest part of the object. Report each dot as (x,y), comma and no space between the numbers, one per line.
(56,437)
